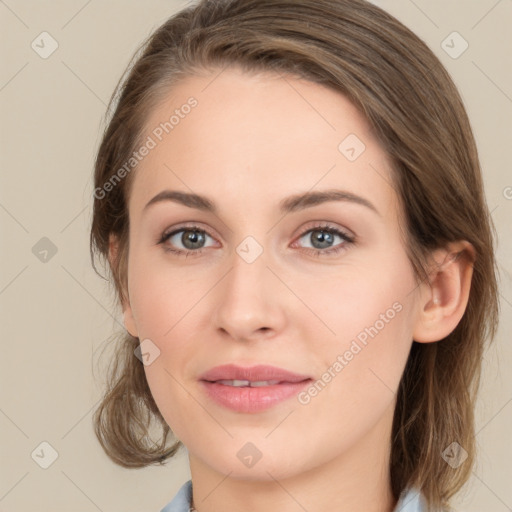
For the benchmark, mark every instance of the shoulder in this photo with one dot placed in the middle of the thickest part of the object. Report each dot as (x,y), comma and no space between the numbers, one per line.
(180,502)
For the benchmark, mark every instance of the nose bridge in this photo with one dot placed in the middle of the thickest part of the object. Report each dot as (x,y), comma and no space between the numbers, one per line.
(248,296)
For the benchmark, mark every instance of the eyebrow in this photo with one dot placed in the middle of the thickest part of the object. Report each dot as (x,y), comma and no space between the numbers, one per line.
(290,204)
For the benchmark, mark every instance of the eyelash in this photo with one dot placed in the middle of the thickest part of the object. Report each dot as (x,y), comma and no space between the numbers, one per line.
(348,240)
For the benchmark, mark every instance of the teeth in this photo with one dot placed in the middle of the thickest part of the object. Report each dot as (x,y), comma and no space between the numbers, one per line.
(264,383)
(244,383)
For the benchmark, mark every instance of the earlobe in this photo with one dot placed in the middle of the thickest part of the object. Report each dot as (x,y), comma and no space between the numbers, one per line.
(129,322)
(443,300)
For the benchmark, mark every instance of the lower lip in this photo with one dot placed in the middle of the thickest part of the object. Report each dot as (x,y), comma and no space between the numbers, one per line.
(247,399)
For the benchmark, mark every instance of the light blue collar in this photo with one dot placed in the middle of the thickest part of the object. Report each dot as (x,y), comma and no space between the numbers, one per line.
(410,500)
(181,502)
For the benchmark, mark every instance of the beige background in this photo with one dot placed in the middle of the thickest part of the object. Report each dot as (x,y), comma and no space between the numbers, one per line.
(56,315)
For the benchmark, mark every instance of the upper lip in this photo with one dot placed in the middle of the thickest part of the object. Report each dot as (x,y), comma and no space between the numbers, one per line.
(252,373)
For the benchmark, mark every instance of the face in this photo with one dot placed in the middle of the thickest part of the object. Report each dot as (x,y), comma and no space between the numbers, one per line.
(320,288)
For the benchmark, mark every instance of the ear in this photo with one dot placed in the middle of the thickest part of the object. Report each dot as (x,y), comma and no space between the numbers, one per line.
(129,321)
(444,298)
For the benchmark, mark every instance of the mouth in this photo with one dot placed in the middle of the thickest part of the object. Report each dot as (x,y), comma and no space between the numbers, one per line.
(251,389)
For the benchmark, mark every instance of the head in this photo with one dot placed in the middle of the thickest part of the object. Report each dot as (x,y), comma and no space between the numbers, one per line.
(271,100)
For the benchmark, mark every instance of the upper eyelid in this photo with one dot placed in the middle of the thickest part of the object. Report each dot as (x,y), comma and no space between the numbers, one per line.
(191,227)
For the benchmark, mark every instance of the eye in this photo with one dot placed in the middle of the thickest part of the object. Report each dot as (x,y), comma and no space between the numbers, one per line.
(192,239)
(322,238)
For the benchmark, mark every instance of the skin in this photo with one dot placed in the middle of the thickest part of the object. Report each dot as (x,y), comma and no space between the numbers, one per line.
(252,141)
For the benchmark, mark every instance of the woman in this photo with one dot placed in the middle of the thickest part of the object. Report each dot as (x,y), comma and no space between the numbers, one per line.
(290,201)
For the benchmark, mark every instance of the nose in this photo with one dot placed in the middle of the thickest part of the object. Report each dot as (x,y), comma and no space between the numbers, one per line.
(251,301)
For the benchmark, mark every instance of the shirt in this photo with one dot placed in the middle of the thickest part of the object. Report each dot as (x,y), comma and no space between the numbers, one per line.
(411,500)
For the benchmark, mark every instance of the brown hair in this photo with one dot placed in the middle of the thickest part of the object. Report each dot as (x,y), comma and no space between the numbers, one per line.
(416,112)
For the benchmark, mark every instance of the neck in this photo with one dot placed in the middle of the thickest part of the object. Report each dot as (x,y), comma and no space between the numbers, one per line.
(356,480)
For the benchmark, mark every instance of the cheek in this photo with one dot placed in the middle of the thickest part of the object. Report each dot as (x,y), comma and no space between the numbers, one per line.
(159,296)
(171,395)
(369,312)
(356,297)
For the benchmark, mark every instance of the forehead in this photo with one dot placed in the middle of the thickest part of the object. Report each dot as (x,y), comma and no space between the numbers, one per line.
(253,138)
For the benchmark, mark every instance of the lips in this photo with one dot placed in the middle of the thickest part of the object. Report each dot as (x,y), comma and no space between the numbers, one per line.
(258,373)
(251,390)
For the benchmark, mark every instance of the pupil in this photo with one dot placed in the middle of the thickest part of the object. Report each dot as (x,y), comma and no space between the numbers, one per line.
(323,236)
(194,237)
